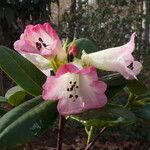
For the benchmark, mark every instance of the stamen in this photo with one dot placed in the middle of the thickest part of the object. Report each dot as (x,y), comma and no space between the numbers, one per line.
(70,96)
(75,82)
(70,82)
(40,39)
(130,66)
(44,45)
(67,89)
(77,86)
(38,45)
(76,96)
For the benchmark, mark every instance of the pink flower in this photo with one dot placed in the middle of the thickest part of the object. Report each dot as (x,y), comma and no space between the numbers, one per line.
(40,39)
(117,59)
(76,89)
(73,49)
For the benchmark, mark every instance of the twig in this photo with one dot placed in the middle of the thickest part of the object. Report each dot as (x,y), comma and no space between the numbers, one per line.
(60,131)
(95,139)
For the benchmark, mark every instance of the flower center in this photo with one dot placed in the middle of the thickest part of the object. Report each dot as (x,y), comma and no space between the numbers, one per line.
(130,66)
(72,90)
(40,44)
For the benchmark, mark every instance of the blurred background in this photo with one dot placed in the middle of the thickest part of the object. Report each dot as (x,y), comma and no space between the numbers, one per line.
(107,23)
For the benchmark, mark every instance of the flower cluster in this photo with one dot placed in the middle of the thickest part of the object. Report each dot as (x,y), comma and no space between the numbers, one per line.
(75,86)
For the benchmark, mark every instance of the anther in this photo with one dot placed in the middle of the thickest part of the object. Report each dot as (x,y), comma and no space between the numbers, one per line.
(76,96)
(70,82)
(67,89)
(130,66)
(38,45)
(44,44)
(40,39)
(77,86)
(70,96)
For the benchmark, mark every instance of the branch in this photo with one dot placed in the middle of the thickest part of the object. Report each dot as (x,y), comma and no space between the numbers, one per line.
(95,139)
(60,131)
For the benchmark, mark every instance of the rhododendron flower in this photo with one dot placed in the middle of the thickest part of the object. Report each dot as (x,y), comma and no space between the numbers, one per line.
(76,89)
(40,62)
(117,59)
(40,39)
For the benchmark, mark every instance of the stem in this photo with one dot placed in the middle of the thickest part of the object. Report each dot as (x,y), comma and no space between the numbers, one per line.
(60,131)
(90,133)
(95,139)
(130,99)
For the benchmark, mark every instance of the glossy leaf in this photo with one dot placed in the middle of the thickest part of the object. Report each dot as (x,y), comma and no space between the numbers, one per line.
(107,116)
(114,79)
(2,111)
(15,113)
(3,99)
(24,73)
(115,83)
(29,125)
(144,112)
(85,44)
(136,87)
(15,95)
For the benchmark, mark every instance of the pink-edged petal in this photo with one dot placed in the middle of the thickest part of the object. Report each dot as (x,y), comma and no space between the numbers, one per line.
(66,68)
(41,39)
(24,45)
(75,89)
(50,30)
(117,59)
(39,61)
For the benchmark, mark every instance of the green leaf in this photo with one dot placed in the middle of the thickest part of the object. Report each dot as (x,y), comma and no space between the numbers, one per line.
(143,96)
(85,44)
(115,83)
(29,125)
(2,111)
(18,111)
(24,73)
(3,99)
(114,79)
(144,112)
(136,87)
(107,116)
(112,92)
(15,95)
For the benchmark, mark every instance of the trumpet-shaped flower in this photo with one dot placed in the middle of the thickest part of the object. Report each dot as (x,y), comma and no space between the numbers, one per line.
(117,59)
(40,62)
(40,39)
(76,89)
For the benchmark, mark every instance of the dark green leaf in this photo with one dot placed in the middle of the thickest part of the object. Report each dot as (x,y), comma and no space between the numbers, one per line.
(143,96)
(15,95)
(136,87)
(21,71)
(18,111)
(115,83)
(85,44)
(28,125)
(2,111)
(111,92)
(144,112)
(114,79)
(107,116)
(3,99)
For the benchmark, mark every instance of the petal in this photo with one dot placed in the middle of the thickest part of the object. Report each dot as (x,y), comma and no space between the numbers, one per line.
(66,68)
(39,61)
(114,59)
(24,45)
(75,89)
